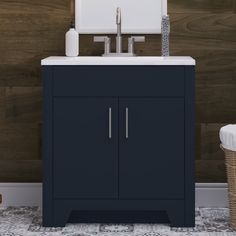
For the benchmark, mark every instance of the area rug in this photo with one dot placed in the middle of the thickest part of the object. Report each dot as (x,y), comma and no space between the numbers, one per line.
(27,221)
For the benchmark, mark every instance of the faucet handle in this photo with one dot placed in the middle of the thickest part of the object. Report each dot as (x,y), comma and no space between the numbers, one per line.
(138,39)
(132,40)
(107,43)
(100,38)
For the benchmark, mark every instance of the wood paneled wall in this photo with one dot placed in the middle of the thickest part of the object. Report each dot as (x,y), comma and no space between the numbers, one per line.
(31,30)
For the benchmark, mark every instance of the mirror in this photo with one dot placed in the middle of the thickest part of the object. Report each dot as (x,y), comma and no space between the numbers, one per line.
(138,16)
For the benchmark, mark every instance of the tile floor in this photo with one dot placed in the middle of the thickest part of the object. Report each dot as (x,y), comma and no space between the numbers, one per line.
(26,221)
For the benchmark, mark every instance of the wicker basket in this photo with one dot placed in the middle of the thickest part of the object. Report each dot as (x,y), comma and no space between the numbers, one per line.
(230,162)
(231,176)
(230,156)
(232,209)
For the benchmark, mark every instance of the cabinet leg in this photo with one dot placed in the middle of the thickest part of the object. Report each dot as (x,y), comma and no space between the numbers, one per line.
(176,218)
(47,222)
(61,217)
(47,213)
(190,217)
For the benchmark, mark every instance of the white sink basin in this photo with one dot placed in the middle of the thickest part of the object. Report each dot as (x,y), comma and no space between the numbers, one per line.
(98,60)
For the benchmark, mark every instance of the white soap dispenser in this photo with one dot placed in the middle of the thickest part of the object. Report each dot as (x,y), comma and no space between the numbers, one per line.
(72,42)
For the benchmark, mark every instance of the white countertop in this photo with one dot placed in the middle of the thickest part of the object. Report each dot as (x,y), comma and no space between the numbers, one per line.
(99,60)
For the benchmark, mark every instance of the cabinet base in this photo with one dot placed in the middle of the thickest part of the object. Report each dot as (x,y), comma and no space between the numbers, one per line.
(117,211)
(120,217)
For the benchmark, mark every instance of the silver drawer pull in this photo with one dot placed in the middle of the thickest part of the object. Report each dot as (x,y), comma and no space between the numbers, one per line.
(127,123)
(109,132)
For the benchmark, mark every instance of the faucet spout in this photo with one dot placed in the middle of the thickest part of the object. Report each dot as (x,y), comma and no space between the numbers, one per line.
(118,21)
(118,37)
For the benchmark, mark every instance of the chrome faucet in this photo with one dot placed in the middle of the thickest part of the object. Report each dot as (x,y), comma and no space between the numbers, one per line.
(118,37)
(119,51)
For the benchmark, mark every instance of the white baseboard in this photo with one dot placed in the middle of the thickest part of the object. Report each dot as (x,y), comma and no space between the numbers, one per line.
(21,194)
(211,195)
(30,194)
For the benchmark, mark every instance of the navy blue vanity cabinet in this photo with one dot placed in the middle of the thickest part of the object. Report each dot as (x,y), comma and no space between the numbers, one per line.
(85,151)
(151,148)
(118,144)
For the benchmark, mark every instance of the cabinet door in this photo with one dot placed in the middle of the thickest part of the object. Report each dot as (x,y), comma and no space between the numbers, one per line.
(151,160)
(85,147)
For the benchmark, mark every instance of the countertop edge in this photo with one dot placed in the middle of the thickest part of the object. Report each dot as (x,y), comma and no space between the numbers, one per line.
(60,61)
